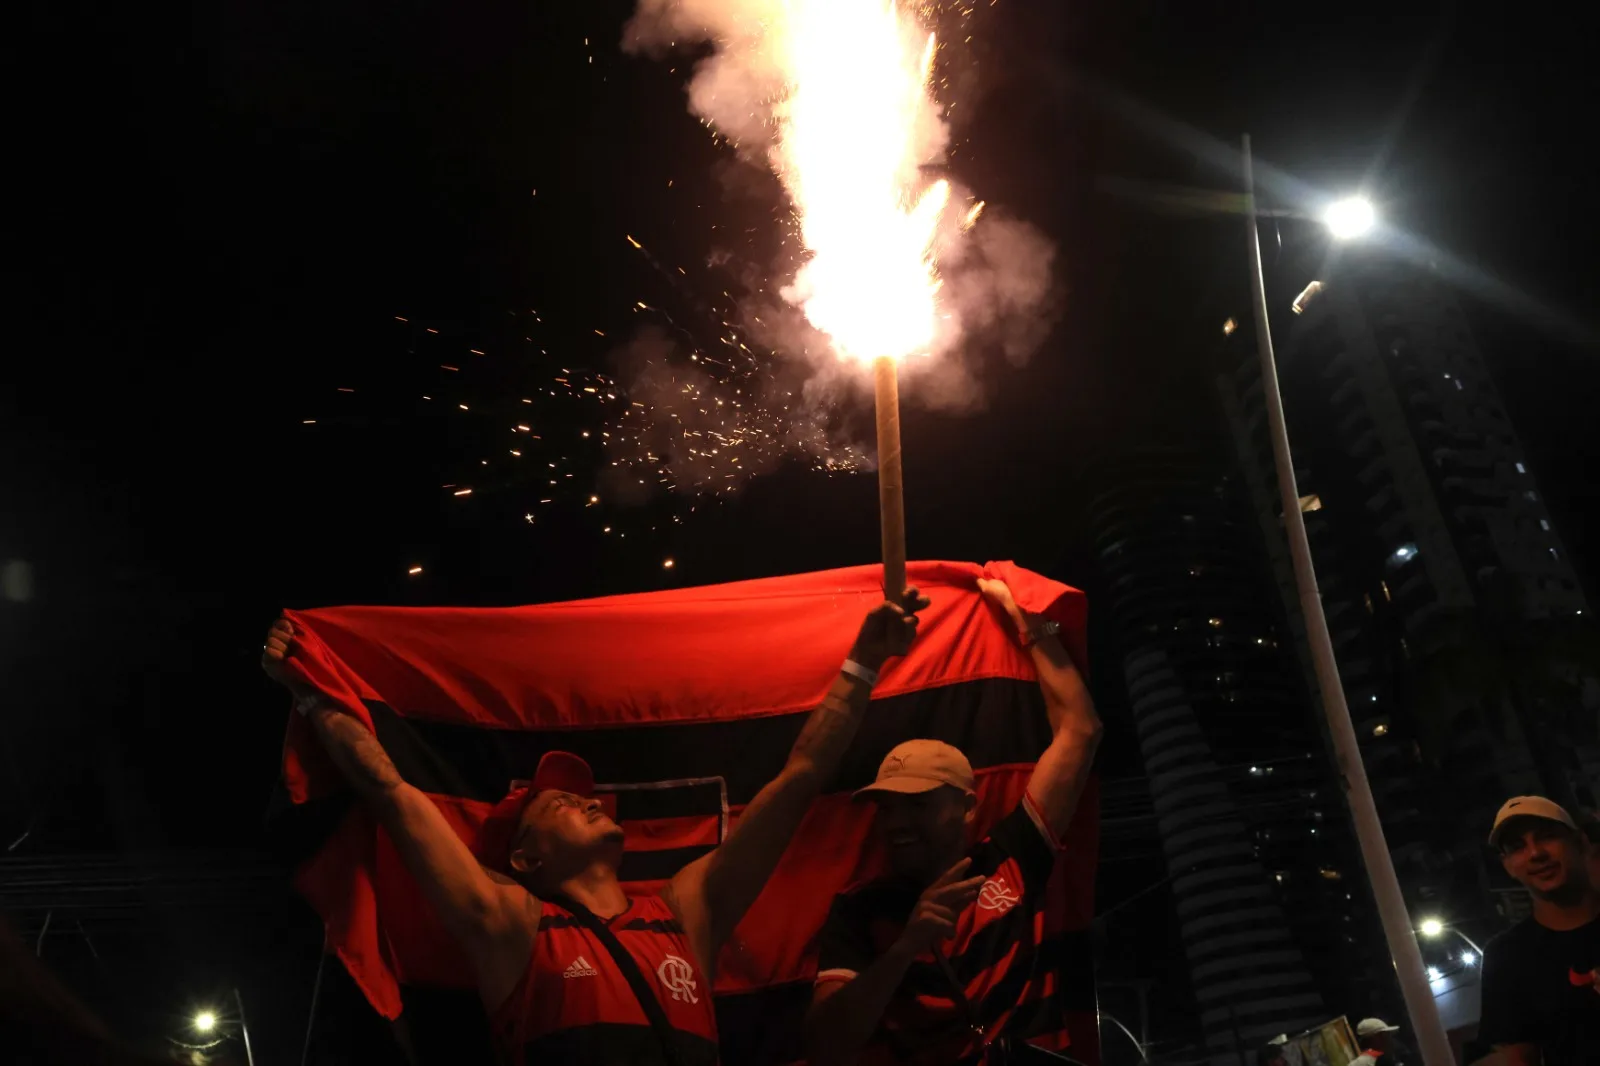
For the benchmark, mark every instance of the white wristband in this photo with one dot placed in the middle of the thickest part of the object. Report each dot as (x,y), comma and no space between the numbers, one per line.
(855,669)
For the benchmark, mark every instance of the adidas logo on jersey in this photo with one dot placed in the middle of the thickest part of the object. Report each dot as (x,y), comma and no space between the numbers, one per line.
(580,968)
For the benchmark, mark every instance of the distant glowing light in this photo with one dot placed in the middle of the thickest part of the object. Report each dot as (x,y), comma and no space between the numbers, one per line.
(1469,958)
(415,570)
(205,1021)
(1228,327)
(666,564)
(1350,218)
(1434,974)
(1431,927)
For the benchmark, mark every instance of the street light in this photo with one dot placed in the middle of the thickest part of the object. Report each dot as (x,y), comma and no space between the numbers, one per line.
(1433,928)
(1349,218)
(1396,919)
(207,1023)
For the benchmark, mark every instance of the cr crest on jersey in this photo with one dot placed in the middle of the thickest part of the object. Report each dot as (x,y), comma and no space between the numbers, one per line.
(677,977)
(996,895)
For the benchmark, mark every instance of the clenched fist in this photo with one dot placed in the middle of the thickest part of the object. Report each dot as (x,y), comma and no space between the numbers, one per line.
(888,630)
(277,648)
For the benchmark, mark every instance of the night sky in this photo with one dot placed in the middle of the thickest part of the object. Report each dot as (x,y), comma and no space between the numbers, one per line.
(223,221)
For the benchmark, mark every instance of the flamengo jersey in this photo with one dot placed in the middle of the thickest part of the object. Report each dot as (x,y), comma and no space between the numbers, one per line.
(573,1005)
(997,954)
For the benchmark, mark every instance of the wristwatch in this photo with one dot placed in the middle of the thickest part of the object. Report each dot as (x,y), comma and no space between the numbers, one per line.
(1039,631)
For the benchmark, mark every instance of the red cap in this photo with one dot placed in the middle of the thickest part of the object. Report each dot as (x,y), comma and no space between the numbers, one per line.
(559,770)
(564,772)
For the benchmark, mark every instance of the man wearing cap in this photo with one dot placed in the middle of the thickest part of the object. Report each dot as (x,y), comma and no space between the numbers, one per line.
(550,939)
(938,962)
(1541,999)
(1379,1045)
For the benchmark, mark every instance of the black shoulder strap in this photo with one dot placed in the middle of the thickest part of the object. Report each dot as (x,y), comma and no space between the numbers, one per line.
(630,969)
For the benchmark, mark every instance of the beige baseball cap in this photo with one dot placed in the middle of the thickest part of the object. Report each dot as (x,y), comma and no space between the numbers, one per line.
(921,766)
(1529,807)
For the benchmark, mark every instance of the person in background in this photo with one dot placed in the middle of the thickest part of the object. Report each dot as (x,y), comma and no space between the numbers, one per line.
(570,968)
(1380,1046)
(1590,826)
(1541,978)
(939,963)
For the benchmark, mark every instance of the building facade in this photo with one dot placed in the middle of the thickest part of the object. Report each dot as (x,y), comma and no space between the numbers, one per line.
(1272,911)
(1461,632)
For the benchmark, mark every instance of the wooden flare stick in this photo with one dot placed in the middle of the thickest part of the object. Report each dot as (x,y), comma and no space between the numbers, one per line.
(891,499)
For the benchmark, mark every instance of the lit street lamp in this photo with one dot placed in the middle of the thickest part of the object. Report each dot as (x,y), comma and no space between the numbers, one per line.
(206,1023)
(1346,221)
(1433,929)
(1350,218)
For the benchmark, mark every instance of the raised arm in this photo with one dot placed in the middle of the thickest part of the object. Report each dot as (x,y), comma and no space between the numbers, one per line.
(490,916)
(1061,772)
(712,893)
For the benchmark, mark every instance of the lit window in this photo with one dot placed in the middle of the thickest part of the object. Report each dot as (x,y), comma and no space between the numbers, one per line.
(1312,502)
(1385,586)
(1329,873)
(1521,469)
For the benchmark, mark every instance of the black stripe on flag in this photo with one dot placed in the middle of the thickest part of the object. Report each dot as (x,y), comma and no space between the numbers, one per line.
(480,763)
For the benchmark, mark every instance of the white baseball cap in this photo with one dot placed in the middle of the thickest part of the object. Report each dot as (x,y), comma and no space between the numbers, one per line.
(1529,807)
(1368,1026)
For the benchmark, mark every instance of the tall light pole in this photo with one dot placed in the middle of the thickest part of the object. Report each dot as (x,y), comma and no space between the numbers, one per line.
(244,1029)
(1397,930)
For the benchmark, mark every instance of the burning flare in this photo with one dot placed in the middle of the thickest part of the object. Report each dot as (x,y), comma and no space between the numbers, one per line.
(853,131)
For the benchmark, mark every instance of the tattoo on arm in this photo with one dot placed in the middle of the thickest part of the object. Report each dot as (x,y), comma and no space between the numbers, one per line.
(831,727)
(356,752)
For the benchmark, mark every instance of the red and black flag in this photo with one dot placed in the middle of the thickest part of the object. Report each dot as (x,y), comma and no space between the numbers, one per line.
(685,703)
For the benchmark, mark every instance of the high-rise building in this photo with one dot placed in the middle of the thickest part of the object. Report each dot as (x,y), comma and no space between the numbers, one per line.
(1459,625)
(1272,911)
